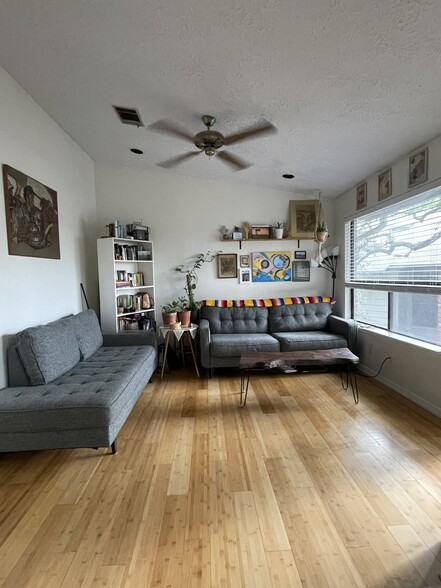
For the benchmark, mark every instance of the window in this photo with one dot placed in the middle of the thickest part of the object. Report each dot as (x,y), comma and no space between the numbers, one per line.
(393,267)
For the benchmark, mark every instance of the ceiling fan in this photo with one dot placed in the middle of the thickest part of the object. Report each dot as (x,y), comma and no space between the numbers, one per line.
(211,142)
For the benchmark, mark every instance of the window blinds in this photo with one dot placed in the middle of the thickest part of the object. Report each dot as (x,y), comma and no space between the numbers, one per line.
(398,247)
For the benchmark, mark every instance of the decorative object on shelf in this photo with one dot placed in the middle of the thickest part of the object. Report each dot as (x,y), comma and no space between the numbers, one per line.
(418,167)
(278,231)
(225,233)
(271,266)
(227,265)
(303,217)
(260,231)
(385,184)
(31,216)
(244,261)
(361,196)
(245,275)
(136,230)
(328,262)
(246,230)
(237,234)
(299,254)
(191,278)
(301,271)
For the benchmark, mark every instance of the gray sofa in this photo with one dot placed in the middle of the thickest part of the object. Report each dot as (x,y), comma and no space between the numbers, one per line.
(225,333)
(70,386)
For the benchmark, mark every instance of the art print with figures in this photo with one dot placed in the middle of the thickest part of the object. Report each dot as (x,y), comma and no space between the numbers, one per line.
(31,216)
(272,266)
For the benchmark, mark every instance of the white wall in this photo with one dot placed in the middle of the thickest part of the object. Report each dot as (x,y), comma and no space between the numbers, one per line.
(38,290)
(413,371)
(185,216)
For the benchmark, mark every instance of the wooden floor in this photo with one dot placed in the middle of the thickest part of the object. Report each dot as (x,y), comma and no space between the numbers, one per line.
(300,488)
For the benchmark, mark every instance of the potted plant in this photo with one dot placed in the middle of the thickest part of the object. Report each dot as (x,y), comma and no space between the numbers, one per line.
(321,232)
(278,231)
(184,311)
(191,279)
(170,312)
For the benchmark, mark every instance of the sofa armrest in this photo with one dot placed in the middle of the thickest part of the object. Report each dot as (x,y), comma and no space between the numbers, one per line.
(123,339)
(204,342)
(346,327)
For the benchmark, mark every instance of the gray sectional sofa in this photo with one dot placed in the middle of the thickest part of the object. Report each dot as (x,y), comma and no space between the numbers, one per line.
(225,333)
(71,386)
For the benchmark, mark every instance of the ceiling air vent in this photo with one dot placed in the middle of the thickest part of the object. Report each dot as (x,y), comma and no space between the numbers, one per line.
(129,116)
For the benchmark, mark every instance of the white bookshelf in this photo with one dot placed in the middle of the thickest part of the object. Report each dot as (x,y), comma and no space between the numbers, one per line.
(109,269)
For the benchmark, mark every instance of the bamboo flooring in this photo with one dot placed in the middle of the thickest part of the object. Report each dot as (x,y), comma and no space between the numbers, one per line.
(301,488)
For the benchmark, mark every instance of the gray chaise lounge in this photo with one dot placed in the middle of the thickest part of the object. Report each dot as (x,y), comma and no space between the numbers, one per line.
(72,387)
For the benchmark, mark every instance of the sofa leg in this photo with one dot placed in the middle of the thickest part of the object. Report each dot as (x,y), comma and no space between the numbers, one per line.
(114,447)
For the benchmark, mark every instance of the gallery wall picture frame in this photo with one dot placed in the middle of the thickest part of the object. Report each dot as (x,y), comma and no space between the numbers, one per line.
(245,275)
(244,261)
(227,265)
(271,266)
(385,184)
(362,196)
(303,218)
(418,167)
(299,254)
(31,216)
(301,271)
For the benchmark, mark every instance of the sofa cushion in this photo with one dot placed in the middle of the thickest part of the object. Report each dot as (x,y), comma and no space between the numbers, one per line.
(87,332)
(236,320)
(299,317)
(236,344)
(48,351)
(303,340)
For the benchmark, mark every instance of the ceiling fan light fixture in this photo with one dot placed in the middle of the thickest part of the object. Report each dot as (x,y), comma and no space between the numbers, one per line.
(210,151)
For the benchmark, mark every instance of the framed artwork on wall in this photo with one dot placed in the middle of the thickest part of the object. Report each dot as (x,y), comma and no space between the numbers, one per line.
(227,265)
(361,196)
(245,275)
(299,254)
(385,184)
(244,261)
(418,167)
(303,218)
(31,216)
(301,271)
(271,266)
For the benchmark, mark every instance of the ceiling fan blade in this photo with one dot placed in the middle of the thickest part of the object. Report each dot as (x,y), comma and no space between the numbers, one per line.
(262,128)
(169,128)
(233,160)
(178,159)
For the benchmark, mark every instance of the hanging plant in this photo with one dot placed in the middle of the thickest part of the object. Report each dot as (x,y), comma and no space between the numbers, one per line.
(321,230)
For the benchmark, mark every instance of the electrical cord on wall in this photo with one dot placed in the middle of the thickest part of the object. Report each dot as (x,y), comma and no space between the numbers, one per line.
(379,371)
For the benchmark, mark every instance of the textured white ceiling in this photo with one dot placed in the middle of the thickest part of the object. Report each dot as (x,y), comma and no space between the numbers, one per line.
(350,84)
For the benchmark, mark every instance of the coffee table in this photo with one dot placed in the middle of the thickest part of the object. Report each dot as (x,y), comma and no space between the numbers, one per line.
(262,360)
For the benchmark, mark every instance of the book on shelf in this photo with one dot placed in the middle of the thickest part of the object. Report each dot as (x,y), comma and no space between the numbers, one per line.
(122,284)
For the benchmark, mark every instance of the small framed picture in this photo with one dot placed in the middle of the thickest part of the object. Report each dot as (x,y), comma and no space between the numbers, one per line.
(301,271)
(385,184)
(418,167)
(245,275)
(227,265)
(299,254)
(244,261)
(237,235)
(361,196)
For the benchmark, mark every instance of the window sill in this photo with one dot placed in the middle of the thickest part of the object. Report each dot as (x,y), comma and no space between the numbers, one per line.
(401,338)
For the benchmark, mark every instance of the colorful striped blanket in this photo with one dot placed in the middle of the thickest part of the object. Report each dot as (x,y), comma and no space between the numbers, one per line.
(265,301)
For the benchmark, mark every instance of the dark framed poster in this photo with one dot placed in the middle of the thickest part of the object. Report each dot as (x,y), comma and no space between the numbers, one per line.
(31,216)
(301,271)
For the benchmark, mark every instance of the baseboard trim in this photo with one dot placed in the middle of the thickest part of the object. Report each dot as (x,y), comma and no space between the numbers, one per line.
(432,408)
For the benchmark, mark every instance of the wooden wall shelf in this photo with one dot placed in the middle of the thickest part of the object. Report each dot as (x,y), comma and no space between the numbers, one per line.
(260,241)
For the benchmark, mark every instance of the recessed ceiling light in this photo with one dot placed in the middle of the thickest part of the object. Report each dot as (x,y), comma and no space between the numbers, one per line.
(288,176)
(137,151)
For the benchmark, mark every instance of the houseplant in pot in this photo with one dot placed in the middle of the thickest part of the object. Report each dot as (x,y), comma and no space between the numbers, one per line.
(170,312)
(278,231)
(184,311)
(191,279)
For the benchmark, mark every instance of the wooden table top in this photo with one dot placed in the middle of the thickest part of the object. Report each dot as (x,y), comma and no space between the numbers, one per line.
(268,360)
